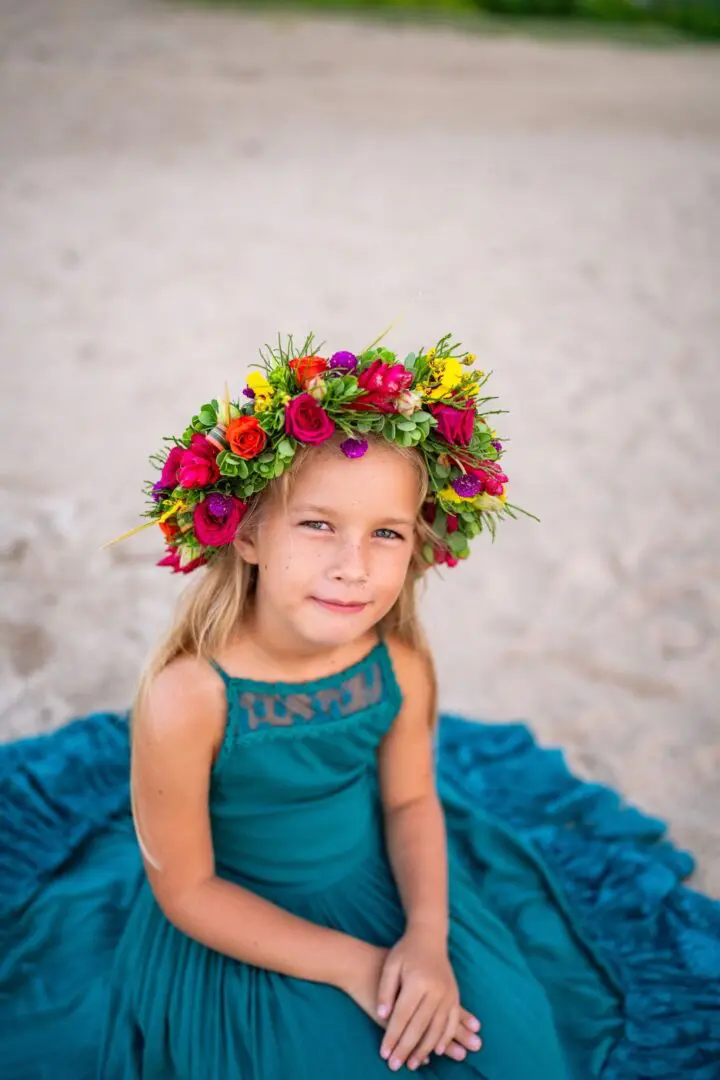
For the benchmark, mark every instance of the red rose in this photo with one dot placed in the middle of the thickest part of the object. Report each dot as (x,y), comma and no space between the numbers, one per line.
(169,476)
(216,519)
(454,425)
(198,467)
(307,367)
(306,421)
(383,383)
(245,437)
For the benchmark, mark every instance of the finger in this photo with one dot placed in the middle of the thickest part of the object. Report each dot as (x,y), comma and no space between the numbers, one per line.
(456,1051)
(448,1032)
(403,1010)
(412,1035)
(470,1021)
(429,1040)
(467,1038)
(388,988)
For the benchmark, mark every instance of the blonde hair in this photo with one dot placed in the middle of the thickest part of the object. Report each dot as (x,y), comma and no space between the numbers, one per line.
(210,612)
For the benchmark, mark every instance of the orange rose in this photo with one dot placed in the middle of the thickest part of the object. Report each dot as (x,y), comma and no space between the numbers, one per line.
(169,529)
(307,367)
(245,437)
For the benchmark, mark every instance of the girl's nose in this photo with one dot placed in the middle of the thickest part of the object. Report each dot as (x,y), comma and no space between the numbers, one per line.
(353,564)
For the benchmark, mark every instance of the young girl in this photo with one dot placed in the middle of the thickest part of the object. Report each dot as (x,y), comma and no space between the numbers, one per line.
(302,909)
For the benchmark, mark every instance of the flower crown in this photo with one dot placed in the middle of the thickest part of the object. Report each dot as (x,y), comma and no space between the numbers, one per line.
(232,449)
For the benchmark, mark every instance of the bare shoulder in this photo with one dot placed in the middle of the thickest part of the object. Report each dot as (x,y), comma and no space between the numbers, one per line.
(184,705)
(413,669)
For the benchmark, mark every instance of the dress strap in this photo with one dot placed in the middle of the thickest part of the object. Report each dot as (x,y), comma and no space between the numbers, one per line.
(221,671)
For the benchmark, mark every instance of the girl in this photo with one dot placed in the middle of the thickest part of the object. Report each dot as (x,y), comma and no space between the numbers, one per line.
(303,912)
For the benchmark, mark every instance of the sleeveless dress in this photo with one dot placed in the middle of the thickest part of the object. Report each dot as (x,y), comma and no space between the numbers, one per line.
(571,936)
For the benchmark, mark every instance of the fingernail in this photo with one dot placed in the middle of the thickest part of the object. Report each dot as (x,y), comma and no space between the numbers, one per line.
(384,1052)
(474,1042)
(395,1064)
(382,1011)
(475,1024)
(412,1064)
(440,1049)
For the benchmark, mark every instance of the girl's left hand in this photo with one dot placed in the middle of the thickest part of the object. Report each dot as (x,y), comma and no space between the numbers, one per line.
(419,994)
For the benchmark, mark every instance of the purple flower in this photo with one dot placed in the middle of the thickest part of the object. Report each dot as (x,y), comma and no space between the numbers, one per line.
(249,392)
(498,445)
(343,361)
(219,506)
(354,448)
(467,486)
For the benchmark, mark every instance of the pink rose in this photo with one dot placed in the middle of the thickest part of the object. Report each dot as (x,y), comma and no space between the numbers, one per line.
(169,475)
(216,519)
(454,425)
(172,559)
(198,467)
(383,383)
(306,421)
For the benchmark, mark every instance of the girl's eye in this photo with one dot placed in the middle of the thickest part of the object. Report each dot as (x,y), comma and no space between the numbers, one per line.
(388,534)
(318,526)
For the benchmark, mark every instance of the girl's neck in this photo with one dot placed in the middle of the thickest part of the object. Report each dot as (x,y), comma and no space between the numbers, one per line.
(277,653)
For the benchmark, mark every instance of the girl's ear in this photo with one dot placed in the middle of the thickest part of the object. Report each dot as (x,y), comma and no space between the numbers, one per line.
(246,546)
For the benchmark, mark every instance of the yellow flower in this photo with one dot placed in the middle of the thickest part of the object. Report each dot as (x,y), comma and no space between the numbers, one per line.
(450,375)
(449,494)
(262,389)
(431,354)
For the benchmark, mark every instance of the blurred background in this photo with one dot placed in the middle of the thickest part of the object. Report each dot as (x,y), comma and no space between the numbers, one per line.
(180,183)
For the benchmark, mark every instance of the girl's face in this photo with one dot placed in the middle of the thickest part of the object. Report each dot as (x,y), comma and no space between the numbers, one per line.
(332,560)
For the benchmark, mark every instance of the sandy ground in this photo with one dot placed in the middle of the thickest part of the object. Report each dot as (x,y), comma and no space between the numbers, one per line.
(176,186)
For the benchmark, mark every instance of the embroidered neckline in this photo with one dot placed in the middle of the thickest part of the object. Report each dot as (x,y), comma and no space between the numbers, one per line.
(310,686)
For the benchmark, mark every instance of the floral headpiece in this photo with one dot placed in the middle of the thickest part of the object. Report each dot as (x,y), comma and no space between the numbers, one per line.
(232,449)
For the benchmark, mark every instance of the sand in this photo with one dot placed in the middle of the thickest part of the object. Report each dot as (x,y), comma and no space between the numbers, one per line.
(177,186)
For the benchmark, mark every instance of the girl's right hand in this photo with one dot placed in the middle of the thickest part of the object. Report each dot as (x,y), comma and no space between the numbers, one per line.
(362,985)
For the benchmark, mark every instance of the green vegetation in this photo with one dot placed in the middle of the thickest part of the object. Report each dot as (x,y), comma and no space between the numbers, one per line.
(647,20)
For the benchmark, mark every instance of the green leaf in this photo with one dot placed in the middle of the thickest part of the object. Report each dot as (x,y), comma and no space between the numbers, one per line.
(409,361)
(458,543)
(442,471)
(388,429)
(243,469)
(286,448)
(428,553)
(405,425)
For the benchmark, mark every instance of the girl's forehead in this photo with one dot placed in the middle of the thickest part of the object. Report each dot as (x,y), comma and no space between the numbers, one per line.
(380,478)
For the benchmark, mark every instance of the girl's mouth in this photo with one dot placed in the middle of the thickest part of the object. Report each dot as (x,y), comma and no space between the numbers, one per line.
(340,606)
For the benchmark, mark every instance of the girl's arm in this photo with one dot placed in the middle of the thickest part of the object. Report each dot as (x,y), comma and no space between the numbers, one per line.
(414,822)
(177,731)
(418,990)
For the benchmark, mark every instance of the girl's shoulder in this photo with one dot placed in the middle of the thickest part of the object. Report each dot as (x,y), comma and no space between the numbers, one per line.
(184,703)
(413,667)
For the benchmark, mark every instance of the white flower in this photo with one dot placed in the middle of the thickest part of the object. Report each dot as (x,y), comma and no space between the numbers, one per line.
(409,402)
(316,387)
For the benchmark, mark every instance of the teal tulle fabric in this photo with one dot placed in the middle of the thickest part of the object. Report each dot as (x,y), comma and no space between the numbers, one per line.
(572,935)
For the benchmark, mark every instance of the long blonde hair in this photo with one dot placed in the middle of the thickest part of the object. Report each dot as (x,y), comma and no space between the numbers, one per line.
(210,611)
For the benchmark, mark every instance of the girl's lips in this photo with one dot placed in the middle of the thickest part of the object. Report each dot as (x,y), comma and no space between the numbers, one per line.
(334,605)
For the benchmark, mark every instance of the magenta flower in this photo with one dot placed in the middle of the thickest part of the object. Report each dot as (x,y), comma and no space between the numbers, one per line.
(452,523)
(198,467)
(455,426)
(354,448)
(343,361)
(169,475)
(383,383)
(216,519)
(306,421)
(172,559)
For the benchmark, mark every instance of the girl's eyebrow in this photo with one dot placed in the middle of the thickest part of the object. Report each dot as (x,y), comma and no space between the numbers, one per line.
(325,511)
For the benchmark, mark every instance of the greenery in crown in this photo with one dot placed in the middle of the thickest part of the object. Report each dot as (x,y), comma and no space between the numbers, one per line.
(232,449)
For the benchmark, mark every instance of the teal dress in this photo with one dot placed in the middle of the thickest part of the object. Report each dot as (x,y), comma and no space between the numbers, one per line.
(96,982)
